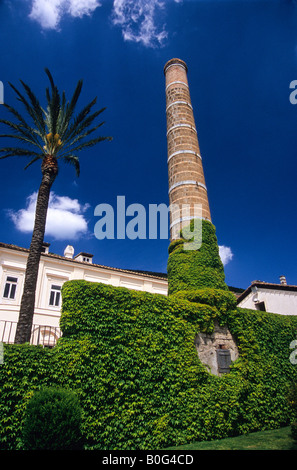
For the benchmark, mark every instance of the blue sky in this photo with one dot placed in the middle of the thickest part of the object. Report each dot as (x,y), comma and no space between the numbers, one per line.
(241,56)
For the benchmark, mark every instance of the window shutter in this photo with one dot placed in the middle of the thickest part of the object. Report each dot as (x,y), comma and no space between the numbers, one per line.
(224,360)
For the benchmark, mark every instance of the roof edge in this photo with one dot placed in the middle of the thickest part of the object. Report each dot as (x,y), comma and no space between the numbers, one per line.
(266,285)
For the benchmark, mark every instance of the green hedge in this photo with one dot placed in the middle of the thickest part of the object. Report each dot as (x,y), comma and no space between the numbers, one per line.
(130,358)
(195,269)
(52,421)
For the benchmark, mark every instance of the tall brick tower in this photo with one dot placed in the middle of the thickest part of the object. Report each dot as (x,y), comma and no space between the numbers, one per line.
(185,170)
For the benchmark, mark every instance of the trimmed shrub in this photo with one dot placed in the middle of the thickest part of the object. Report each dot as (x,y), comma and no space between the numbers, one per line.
(52,421)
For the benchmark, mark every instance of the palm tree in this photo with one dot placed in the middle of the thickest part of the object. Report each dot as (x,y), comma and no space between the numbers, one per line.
(56,135)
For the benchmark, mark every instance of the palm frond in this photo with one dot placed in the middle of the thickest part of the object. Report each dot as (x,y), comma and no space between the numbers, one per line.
(17,152)
(35,105)
(29,108)
(81,136)
(89,143)
(22,121)
(50,78)
(73,160)
(72,129)
(25,138)
(16,127)
(69,110)
(61,116)
(88,121)
(53,104)
(38,157)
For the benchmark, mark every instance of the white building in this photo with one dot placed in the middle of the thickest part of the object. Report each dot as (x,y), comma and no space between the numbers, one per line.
(275,298)
(54,270)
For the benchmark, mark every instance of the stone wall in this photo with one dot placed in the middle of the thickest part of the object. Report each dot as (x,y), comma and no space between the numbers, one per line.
(208,344)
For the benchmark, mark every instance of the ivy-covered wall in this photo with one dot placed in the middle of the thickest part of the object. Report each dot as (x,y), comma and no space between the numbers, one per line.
(194,269)
(131,359)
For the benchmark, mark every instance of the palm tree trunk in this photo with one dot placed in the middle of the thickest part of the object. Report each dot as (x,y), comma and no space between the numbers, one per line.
(25,321)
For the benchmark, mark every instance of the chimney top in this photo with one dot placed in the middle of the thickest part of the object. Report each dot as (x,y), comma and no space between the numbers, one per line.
(45,247)
(69,251)
(175,62)
(85,257)
(283,280)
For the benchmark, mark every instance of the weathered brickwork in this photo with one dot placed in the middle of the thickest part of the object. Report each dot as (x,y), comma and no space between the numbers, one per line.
(185,170)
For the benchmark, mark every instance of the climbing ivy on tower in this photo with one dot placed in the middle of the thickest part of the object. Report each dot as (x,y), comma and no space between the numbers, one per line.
(196,269)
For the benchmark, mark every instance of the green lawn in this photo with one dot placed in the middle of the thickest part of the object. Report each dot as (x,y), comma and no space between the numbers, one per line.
(278,439)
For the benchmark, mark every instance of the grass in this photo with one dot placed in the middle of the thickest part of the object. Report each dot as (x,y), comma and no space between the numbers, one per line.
(278,439)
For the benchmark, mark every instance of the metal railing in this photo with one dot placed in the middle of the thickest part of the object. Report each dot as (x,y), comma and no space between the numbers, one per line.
(44,335)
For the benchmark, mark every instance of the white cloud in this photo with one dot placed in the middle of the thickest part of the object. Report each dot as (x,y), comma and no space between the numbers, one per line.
(65,217)
(49,12)
(82,7)
(46,12)
(137,18)
(226,254)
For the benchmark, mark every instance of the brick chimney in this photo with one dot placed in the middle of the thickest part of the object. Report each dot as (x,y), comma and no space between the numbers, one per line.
(185,170)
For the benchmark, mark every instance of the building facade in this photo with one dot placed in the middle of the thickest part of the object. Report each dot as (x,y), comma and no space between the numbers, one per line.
(274,298)
(54,270)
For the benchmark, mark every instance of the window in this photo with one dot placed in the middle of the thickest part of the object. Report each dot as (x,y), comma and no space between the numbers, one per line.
(260,306)
(10,287)
(55,296)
